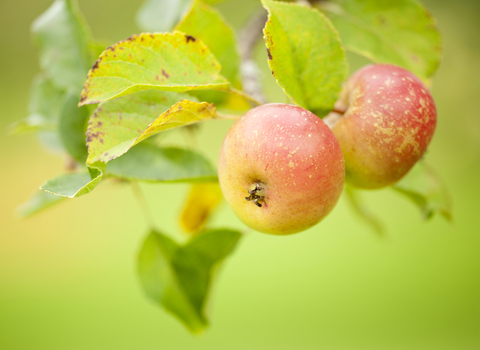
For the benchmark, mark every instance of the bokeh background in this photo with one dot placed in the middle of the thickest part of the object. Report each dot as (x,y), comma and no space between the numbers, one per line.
(67,276)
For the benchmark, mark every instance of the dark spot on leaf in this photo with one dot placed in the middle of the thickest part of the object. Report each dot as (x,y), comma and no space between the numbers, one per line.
(165,74)
(156,77)
(99,123)
(269,54)
(95,65)
(190,38)
(101,141)
(89,139)
(199,72)
(111,48)
(106,154)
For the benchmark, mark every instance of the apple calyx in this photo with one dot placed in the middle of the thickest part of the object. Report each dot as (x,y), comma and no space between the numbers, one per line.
(257,193)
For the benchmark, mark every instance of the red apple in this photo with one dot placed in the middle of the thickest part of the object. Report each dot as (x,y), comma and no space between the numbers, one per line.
(281,169)
(384,120)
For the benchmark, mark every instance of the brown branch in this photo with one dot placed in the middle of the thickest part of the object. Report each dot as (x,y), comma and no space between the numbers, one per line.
(249,36)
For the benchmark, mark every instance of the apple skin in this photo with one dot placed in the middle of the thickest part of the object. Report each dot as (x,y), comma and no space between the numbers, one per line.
(294,158)
(389,119)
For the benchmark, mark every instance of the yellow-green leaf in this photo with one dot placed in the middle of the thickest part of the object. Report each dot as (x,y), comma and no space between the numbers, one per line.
(401,32)
(120,124)
(305,55)
(162,61)
(206,23)
(202,200)
(73,185)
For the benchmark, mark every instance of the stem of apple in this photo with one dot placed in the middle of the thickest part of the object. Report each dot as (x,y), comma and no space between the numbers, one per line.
(334,116)
(143,204)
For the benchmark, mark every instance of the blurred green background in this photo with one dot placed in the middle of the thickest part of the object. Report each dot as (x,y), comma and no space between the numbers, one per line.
(67,276)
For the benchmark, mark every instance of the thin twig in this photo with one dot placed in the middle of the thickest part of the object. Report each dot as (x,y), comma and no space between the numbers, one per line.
(249,36)
(143,204)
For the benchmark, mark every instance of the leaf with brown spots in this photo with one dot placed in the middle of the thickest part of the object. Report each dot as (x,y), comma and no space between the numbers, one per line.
(423,186)
(120,124)
(162,61)
(305,55)
(400,32)
(207,24)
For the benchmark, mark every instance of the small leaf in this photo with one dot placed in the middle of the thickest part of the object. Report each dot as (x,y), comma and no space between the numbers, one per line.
(39,201)
(73,185)
(63,38)
(119,124)
(179,277)
(202,200)
(362,211)
(160,15)
(44,106)
(147,162)
(400,32)
(162,61)
(305,55)
(423,186)
(73,124)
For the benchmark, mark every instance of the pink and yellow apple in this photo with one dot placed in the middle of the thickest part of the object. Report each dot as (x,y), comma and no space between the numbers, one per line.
(281,169)
(384,120)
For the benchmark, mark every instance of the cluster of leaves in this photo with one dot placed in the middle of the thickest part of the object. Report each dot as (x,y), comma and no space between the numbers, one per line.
(182,72)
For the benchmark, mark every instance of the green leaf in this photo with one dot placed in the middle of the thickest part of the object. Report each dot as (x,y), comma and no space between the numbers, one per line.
(73,124)
(44,106)
(148,162)
(179,277)
(39,201)
(205,23)
(202,201)
(305,55)
(120,124)
(64,42)
(401,32)
(160,15)
(423,186)
(73,185)
(165,61)
(359,207)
